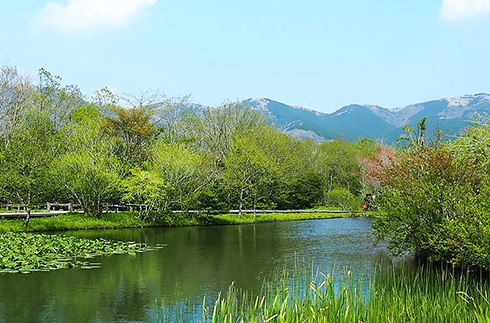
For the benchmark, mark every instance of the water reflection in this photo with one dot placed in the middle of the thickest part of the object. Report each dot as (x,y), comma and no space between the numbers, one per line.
(197,261)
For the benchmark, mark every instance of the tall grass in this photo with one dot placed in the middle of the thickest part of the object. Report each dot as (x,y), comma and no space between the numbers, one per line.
(386,294)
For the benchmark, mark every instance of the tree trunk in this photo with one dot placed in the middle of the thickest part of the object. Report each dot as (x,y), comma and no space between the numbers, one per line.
(240,208)
(28,217)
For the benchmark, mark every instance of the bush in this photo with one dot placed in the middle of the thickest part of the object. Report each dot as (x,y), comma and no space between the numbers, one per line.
(436,205)
(343,198)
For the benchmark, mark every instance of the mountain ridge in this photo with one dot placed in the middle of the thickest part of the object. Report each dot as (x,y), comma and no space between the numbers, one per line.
(354,121)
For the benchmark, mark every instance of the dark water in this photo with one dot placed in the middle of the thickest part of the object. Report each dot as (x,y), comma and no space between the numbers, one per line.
(198,261)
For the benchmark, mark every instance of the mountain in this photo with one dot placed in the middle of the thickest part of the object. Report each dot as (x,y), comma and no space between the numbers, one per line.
(361,120)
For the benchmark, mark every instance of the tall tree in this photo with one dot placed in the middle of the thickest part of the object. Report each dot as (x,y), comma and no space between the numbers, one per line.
(25,162)
(16,96)
(182,169)
(89,168)
(248,169)
(133,130)
(219,126)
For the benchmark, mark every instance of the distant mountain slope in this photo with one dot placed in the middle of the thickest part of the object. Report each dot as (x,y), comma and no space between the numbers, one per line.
(358,120)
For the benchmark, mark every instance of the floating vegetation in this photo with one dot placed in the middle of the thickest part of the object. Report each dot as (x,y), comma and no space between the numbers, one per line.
(28,252)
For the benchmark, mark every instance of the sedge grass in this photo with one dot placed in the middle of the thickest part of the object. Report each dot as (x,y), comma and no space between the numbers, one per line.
(383,294)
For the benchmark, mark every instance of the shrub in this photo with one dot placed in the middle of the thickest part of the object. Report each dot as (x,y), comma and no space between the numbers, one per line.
(343,198)
(436,207)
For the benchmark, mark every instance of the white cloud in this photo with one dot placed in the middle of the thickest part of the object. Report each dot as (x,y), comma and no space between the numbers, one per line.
(464,10)
(89,15)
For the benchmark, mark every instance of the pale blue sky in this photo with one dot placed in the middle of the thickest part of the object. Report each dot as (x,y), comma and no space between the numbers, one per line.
(318,54)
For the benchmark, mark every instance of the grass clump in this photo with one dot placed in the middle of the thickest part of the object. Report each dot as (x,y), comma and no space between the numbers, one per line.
(384,294)
(27,252)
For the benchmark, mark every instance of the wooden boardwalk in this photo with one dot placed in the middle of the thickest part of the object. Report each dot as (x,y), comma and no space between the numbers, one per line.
(22,215)
(55,209)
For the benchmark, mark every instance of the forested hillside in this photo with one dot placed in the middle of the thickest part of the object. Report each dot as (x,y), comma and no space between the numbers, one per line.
(58,145)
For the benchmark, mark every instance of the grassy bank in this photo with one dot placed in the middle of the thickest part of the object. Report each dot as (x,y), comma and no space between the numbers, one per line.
(272,217)
(389,294)
(130,220)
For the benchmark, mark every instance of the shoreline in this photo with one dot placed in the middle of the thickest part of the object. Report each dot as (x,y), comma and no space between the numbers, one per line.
(129,220)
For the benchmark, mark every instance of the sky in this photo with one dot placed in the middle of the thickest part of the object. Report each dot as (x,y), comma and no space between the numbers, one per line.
(320,54)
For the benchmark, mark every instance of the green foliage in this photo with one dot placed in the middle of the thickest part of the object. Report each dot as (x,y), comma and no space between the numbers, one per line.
(144,187)
(25,161)
(27,252)
(436,202)
(57,147)
(182,169)
(133,130)
(392,294)
(248,170)
(343,198)
(89,168)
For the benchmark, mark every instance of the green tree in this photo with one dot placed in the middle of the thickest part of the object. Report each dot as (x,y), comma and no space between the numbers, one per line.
(133,130)
(25,161)
(337,165)
(217,128)
(183,170)
(145,188)
(57,100)
(89,169)
(436,201)
(343,198)
(248,170)
(16,98)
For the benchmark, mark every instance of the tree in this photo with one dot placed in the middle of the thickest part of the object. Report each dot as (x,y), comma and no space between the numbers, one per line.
(144,187)
(343,198)
(182,169)
(218,127)
(336,163)
(25,164)
(89,169)
(133,130)
(57,100)
(16,95)
(178,122)
(436,201)
(415,139)
(248,169)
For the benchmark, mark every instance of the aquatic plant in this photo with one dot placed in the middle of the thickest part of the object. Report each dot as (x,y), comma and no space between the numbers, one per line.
(383,294)
(28,252)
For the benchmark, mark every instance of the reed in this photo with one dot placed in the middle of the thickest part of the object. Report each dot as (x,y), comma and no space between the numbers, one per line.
(381,294)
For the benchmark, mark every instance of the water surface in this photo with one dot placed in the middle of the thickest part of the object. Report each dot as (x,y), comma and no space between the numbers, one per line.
(198,261)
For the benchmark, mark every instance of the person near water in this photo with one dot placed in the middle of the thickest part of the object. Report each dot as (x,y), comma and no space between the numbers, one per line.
(368,199)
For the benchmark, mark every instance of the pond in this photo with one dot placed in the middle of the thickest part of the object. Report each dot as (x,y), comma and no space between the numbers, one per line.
(198,261)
